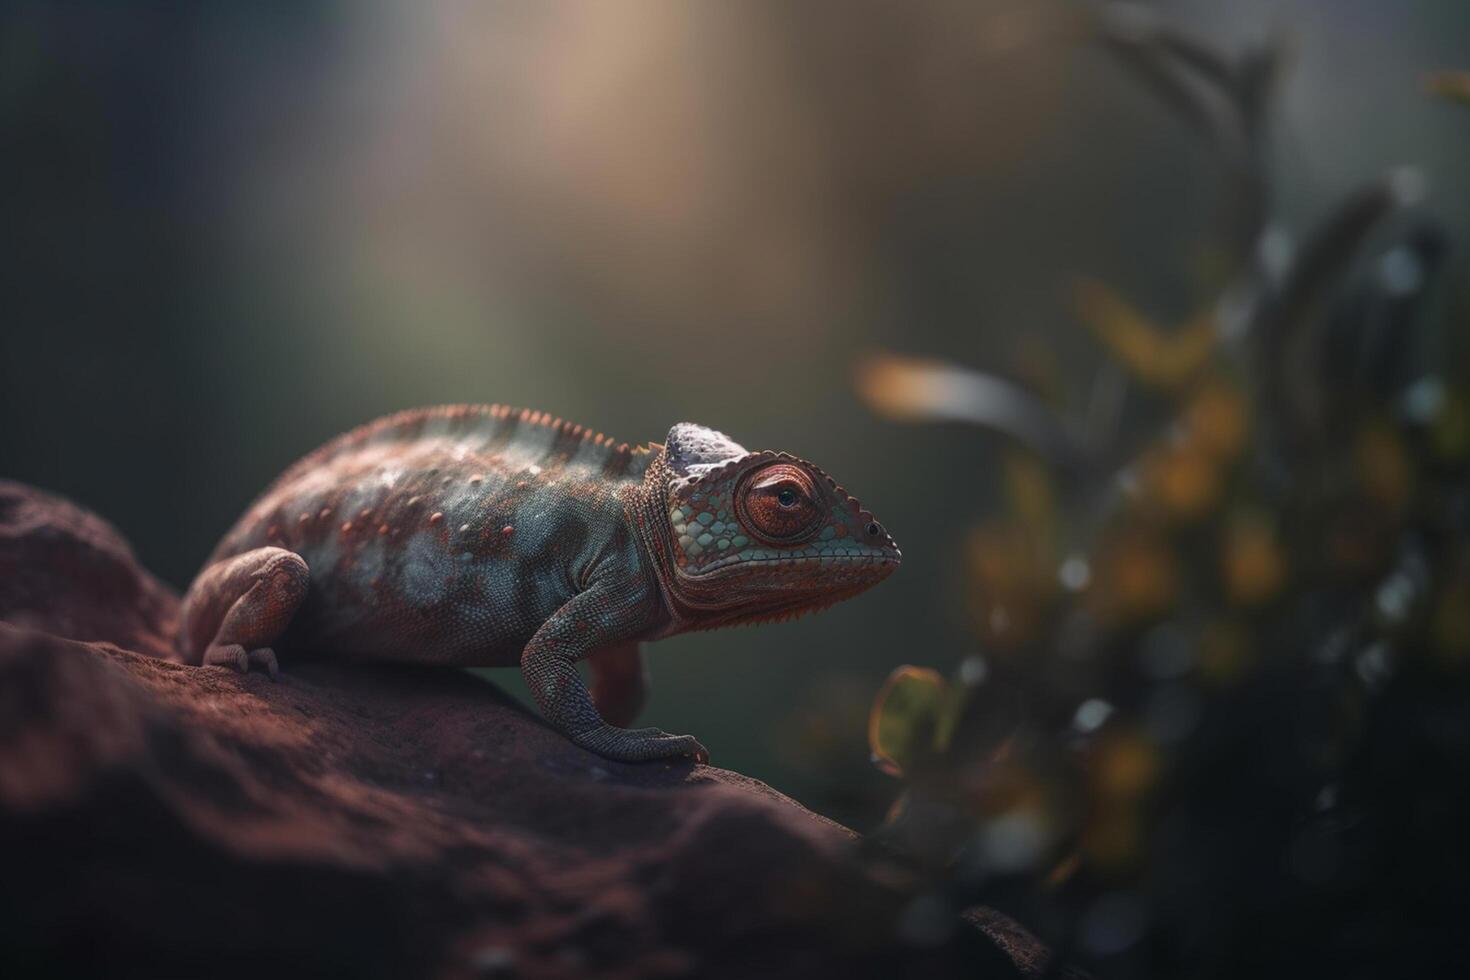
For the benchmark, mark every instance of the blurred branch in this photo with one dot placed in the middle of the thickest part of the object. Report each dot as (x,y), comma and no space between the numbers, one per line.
(1282,324)
(1371,344)
(1225,98)
(1187,75)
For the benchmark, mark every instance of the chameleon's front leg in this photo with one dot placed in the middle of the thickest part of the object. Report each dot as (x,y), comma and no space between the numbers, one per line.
(587,626)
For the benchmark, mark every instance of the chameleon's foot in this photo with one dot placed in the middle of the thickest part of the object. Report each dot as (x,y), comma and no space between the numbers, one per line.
(239,606)
(640,744)
(234,655)
(265,657)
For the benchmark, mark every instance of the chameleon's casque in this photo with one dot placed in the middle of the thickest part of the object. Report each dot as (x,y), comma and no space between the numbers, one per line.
(487,536)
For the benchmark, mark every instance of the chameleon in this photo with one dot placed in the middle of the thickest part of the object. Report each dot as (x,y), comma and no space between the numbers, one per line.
(486,536)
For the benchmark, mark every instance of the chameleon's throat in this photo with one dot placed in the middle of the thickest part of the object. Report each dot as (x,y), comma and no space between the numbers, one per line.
(644,507)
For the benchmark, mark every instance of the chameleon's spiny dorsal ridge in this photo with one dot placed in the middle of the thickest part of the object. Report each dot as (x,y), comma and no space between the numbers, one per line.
(470,419)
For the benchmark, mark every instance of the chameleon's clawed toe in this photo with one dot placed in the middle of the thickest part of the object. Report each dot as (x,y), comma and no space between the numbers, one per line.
(227,655)
(234,655)
(641,744)
(266,657)
(684,745)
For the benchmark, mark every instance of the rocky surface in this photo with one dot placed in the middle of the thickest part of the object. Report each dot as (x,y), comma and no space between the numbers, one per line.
(161,819)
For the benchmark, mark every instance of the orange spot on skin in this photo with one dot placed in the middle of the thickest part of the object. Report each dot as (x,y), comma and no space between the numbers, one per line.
(364,512)
(507,530)
(346,526)
(325,513)
(382,529)
(303,518)
(436,518)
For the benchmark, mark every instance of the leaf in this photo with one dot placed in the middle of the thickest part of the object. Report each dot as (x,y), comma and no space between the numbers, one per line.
(1385,468)
(1183,479)
(908,389)
(1217,418)
(907,717)
(1012,575)
(1155,356)
(1253,563)
(1032,498)
(1136,577)
(1452,85)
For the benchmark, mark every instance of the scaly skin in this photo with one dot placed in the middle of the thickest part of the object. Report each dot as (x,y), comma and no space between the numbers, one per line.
(485,536)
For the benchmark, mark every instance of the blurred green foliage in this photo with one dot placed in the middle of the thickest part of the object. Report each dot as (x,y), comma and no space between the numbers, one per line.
(1219,721)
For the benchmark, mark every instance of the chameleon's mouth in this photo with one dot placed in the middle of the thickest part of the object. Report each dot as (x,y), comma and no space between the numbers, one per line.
(837,557)
(886,559)
(778,587)
(729,604)
(784,586)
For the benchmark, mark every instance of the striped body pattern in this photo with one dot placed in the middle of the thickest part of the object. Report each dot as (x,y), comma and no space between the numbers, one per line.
(489,536)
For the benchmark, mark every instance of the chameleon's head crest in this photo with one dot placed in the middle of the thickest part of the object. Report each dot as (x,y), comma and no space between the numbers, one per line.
(763,535)
(693,450)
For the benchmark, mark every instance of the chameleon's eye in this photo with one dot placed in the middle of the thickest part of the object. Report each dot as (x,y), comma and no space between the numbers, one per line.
(778,504)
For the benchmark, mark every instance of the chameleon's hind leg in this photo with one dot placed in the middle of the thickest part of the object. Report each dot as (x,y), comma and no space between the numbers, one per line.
(619,683)
(239,606)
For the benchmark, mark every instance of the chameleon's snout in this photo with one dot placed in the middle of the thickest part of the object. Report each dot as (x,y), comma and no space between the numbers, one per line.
(879,538)
(876,536)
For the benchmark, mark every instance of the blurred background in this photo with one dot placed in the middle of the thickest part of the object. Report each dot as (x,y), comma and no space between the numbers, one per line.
(231,231)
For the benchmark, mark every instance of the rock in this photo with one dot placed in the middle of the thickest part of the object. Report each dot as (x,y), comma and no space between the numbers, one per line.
(161,819)
(67,571)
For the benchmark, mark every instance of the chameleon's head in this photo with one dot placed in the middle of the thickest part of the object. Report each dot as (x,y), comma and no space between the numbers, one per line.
(761,536)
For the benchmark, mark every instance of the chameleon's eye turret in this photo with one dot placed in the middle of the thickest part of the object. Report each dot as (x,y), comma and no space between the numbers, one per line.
(779,504)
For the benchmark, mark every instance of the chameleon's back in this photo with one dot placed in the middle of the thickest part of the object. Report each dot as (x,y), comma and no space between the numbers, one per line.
(444,535)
